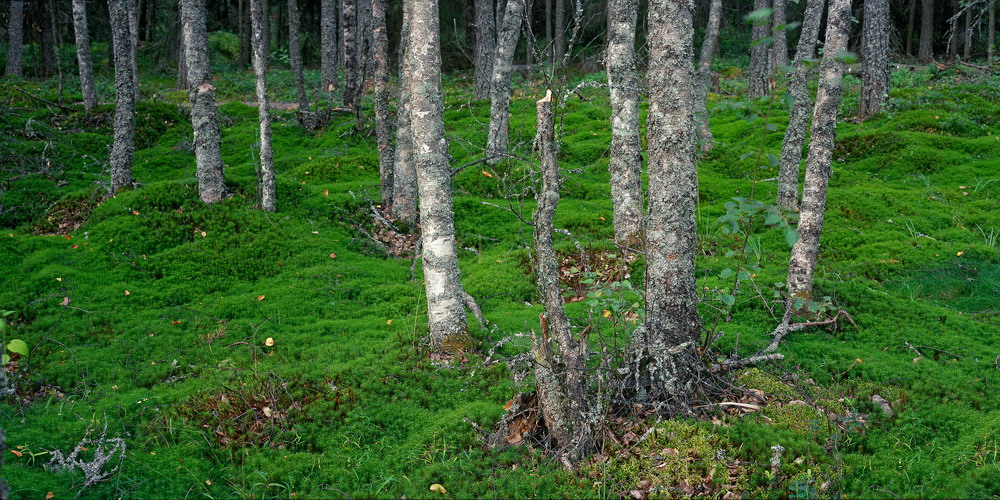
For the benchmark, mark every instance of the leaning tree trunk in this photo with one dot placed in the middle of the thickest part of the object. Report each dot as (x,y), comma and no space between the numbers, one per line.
(708,47)
(328,46)
(626,146)
(798,118)
(123,147)
(201,93)
(926,51)
(779,46)
(15,39)
(496,145)
(663,357)
(561,378)
(404,170)
(383,121)
(448,331)
(875,57)
(83,54)
(258,22)
(802,263)
(351,56)
(559,42)
(991,35)
(486,45)
(295,53)
(759,77)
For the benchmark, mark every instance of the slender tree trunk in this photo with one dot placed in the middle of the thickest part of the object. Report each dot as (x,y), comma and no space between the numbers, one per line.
(663,350)
(486,43)
(123,147)
(201,93)
(626,147)
(500,85)
(383,120)
(133,26)
(258,19)
(83,54)
(708,48)
(15,39)
(529,36)
(991,36)
(759,77)
(802,263)
(295,53)
(48,45)
(561,379)
(926,30)
(909,27)
(798,118)
(448,331)
(182,67)
(559,42)
(779,48)
(328,46)
(404,176)
(875,77)
(351,56)
(953,36)
(150,20)
(967,47)
(548,30)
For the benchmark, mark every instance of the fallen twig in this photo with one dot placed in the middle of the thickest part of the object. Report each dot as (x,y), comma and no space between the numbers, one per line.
(46,101)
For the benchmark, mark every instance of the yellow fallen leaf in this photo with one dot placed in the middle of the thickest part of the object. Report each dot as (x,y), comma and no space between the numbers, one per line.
(487,174)
(208,482)
(260,298)
(49,496)
(437,488)
(267,411)
(58,279)
(389,322)
(606,313)
(204,234)
(333,256)
(269,342)
(959,254)
(127,293)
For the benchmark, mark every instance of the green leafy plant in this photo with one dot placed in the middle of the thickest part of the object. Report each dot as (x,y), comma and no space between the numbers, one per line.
(14,346)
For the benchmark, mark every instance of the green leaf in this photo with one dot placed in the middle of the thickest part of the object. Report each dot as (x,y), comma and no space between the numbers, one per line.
(728,299)
(726,273)
(758,16)
(791,236)
(772,218)
(6,359)
(773,160)
(18,346)
(742,276)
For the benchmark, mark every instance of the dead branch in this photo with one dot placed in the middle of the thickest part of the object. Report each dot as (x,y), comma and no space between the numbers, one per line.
(46,101)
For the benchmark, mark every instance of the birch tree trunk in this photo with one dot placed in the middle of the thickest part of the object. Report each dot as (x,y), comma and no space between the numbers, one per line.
(663,356)
(15,39)
(559,42)
(759,78)
(779,48)
(295,53)
(448,331)
(123,147)
(708,48)
(328,46)
(486,46)
(496,146)
(207,140)
(926,30)
(626,147)
(875,77)
(802,264)
(798,119)
(383,120)
(83,54)
(404,170)
(258,19)
(351,56)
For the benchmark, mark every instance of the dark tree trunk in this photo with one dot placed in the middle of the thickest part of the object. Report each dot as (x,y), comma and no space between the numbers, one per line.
(83,54)
(926,30)
(486,44)
(404,176)
(48,45)
(798,119)
(991,35)
(875,57)
(328,46)
(548,30)
(351,56)
(708,48)
(759,77)
(182,66)
(258,20)
(496,146)
(953,35)
(559,42)
(123,147)
(802,263)
(295,53)
(909,27)
(779,48)
(15,39)
(243,13)
(967,46)
(133,25)
(383,119)
(201,93)
(626,147)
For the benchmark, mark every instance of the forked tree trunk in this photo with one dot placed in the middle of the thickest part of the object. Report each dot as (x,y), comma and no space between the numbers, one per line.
(626,147)
(351,56)
(909,27)
(448,331)
(123,147)
(875,57)
(802,264)
(295,53)
(15,39)
(383,119)
(496,146)
(404,170)
(201,93)
(798,118)
(486,45)
(561,379)
(991,35)
(759,77)
(559,42)
(328,46)
(779,48)
(663,357)
(83,54)
(926,30)
(258,21)
(708,48)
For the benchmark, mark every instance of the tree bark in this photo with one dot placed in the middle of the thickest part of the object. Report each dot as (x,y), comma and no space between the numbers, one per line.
(967,46)
(182,67)
(295,53)
(351,56)
(779,48)
(663,355)
(802,264)
(875,77)
(123,146)
(561,379)
(133,26)
(15,40)
(991,36)
(201,93)
(496,146)
(486,42)
(759,78)
(258,19)
(626,146)
(559,42)
(798,119)
(708,48)
(548,30)
(926,30)
(383,120)
(404,171)
(328,46)
(48,46)
(448,331)
(953,36)
(83,54)
(909,27)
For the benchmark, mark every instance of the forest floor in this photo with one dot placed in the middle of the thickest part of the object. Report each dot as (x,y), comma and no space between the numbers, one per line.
(231,353)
